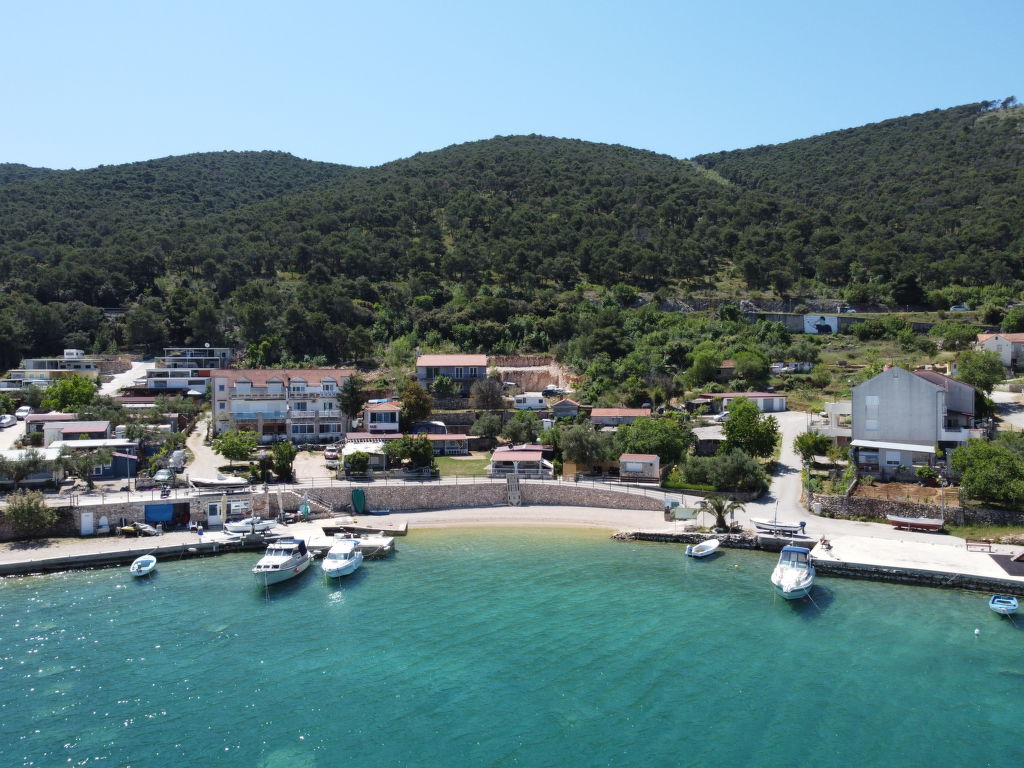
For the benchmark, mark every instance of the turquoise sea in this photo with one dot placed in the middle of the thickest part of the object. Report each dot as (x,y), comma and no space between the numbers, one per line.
(487,647)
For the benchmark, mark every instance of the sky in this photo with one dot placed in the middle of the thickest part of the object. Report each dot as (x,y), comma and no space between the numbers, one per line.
(93,82)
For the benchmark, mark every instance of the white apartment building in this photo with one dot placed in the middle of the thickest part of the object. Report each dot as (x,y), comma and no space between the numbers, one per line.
(300,405)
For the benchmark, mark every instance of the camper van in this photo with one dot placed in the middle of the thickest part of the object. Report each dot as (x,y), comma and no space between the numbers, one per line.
(530,402)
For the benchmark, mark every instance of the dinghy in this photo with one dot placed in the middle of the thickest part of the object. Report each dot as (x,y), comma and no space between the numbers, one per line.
(703,549)
(143,566)
(1004,605)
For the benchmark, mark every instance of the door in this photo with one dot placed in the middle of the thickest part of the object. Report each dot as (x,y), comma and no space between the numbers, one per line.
(159,513)
(86,524)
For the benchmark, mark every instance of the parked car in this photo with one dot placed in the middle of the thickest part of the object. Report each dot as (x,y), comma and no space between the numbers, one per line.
(960,308)
(22,412)
(331,453)
(163,475)
(720,417)
(7,421)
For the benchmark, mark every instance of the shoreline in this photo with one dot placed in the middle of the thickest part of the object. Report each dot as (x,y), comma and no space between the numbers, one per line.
(859,550)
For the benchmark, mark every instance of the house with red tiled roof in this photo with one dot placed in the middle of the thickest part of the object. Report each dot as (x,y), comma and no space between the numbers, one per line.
(382,417)
(1009,347)
(462,369)
(288,404)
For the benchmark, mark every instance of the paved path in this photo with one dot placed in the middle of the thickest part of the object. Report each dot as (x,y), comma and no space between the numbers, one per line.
(136,371)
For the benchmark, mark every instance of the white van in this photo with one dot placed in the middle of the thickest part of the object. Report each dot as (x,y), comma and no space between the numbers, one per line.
(530,402)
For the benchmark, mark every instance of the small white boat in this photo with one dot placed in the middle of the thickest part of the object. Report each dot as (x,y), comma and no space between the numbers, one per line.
(284,559)
(774,526)
(703,549)
(342,558)
(793,577)
(143,566)
(221,481)
(253,524)
(1004,605)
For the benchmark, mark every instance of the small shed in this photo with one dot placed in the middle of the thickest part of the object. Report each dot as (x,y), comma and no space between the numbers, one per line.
(640,467)
(565,409)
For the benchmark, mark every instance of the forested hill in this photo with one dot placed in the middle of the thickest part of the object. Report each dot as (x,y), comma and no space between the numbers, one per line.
(494,245)
(938,194)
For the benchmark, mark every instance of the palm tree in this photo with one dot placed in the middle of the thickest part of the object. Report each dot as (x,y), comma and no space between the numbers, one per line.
(719,507)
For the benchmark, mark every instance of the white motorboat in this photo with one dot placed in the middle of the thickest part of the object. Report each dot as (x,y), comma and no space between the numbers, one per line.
(143,566)
(342,558)
(220,481)
(284,559)
(1004,605)
(253,524)
(777,527)
(793,577)
(705,548)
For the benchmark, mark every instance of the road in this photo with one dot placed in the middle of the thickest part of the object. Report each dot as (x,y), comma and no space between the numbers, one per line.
(137,371)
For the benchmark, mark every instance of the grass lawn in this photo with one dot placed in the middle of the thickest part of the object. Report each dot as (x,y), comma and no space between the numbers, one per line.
(451,465)
(994,532)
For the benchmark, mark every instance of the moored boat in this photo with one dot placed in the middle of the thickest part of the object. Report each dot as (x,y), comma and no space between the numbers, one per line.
(1004,605)
(284,559)
(342,558)
(793,577)
(705,548)
(143,566)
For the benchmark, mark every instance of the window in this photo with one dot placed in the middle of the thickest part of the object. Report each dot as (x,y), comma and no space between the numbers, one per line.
(327,387)
(893,458)
(328,406)
(300,406)
(458,373)
(871,413)
(330,429)
(220,387)
(220,406)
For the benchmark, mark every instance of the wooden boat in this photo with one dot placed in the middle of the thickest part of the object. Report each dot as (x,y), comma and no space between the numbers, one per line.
(143,566)
(1004,605)
(916,523)
(777,527)
(705,548)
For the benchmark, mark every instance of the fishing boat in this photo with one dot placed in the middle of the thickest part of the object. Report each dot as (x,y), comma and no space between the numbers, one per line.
(793,577)
(342,558)
(1004,605)
(705,548)
(777,527)
(916,523)
(284,559)
(253,524)
(143,566)
(220,481)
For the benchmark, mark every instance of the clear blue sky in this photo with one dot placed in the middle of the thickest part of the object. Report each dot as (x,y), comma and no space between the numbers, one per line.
(89,82)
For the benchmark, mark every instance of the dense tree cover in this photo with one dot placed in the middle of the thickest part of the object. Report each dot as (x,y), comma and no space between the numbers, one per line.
(749,430)
(514,244)
(981,369)
(661,437)
(991,471)
(906,204)
(28,513)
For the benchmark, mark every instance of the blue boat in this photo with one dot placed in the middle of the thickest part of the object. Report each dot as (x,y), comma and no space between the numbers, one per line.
(1004,605)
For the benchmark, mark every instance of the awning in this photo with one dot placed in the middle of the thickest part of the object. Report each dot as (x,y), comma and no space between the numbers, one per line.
(893,446)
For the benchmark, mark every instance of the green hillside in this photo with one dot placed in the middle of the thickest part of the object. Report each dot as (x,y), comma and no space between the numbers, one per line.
(515,243)
(939,195)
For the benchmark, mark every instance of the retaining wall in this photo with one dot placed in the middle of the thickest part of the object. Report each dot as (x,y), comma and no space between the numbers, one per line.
(853,507)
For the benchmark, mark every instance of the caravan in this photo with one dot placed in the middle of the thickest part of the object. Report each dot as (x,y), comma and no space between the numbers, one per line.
(530,402)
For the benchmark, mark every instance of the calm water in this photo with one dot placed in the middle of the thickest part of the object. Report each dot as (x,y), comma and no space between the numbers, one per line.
(495,648)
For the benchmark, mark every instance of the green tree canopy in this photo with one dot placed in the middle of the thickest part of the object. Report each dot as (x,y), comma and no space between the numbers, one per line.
(486,394)
(417,450)
(283,454)
(236,444)
(661,437)
(352,396)
(488,425)
(811,444)
(982,369)
(69,394)
(749,430)
(443,387)
(417,404)
(523,427)
(582,444)
(990,472)
(28,513)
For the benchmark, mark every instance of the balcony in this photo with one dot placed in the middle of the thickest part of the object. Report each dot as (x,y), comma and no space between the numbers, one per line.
(256,415)
(959,434)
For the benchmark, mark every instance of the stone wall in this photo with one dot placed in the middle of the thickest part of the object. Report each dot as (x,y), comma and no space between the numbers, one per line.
(852,507)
